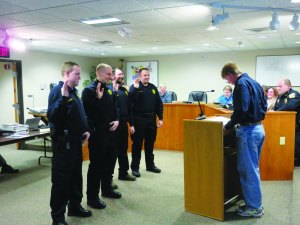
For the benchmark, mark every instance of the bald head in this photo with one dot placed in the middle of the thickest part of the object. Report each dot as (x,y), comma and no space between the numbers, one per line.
(284,85)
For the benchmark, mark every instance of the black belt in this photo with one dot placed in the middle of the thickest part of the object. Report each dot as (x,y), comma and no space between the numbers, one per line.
(249,124)
(149,114)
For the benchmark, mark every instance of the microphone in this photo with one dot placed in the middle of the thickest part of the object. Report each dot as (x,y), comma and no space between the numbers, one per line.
(201,115)
(210,91)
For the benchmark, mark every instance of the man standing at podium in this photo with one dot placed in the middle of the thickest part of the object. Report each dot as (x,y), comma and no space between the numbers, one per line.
(249,109)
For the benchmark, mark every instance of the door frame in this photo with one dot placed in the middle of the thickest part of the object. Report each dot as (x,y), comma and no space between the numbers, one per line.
(19,88)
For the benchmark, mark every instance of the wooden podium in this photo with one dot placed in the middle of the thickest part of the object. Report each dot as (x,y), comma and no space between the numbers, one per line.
(210,175)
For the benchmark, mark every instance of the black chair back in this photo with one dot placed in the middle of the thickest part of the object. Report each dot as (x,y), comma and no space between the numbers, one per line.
(198,95)
(174,96)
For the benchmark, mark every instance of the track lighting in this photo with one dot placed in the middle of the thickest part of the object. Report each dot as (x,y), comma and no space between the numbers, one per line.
(294,24)
(274,24)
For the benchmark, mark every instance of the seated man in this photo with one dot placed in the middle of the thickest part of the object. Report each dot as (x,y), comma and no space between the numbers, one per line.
(226,98)
(165,96)
(5,167)
(289,100)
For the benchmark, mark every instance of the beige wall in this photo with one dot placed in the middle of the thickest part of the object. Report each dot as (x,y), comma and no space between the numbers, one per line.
(181,73)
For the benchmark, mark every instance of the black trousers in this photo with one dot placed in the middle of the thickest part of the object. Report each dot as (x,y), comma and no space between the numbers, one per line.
(297,144)
(66,176)
(122,147)
(102,152)
(145,130)
(2,161)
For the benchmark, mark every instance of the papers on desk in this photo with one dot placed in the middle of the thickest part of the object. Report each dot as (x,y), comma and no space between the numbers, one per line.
(222,119)
(17,135)
(38,110)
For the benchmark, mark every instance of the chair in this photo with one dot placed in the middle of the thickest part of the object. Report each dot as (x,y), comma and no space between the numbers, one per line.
(173,95)
(198,96)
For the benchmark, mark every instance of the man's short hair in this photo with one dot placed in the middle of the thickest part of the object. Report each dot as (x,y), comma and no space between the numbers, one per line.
(68,66)
(102,66)
(230,68)
(115,69)
(144,68)
(287,82)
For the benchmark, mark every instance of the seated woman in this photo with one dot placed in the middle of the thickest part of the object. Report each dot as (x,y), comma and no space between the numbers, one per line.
(226,98)
(272,94)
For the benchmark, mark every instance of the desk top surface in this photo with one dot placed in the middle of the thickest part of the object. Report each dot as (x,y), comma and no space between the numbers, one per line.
(30,136)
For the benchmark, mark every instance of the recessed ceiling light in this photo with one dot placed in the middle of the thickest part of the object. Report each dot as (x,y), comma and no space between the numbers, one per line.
(262,36)
(154,47)
(206,44)
(212,28)
(85,40)
(118,46)
(101,20)
(295,1)
(188,49)
(229,38)
(297,42)
(143,52)
(297,34)
(74,49)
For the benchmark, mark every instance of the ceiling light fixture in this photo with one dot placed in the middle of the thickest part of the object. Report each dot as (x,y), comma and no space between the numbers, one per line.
(294,24)
(101,20)
(219,18)
(274,24)
(295,1)
(124,32)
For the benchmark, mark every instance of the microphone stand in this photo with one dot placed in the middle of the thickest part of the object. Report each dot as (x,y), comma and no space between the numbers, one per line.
(201,115)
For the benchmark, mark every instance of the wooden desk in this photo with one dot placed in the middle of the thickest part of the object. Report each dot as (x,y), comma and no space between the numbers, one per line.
(32,135)
(277,161)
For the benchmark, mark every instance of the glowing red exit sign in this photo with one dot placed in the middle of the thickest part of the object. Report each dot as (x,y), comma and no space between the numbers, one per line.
(4,52)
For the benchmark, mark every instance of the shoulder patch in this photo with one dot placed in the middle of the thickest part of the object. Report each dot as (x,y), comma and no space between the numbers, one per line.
(292,95)
(126,92)
(153,91)
(109,92)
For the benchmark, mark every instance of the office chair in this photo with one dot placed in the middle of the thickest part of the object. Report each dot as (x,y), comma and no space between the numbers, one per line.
(173,95)
(202,95)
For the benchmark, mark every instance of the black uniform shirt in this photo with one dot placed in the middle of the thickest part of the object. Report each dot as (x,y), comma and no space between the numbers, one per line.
(249,103)
(122,100)
(146,99)
(66,113)
(100,112)
(290,101)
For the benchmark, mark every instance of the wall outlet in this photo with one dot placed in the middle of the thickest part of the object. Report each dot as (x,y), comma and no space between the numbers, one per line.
(282,140)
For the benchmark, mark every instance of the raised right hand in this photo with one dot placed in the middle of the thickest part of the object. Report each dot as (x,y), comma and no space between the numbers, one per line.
(136,83)
(99,91)
(64,89)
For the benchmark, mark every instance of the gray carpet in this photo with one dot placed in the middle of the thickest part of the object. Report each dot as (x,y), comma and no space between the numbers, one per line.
(154,199)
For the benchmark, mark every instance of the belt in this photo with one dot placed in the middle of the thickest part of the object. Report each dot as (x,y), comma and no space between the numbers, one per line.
(144,114)
(249,124)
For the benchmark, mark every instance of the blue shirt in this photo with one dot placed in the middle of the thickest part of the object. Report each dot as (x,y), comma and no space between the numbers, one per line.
(225,101)
(167,98)
(249,103)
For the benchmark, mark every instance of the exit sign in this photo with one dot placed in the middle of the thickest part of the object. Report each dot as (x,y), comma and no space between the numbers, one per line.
(4,52)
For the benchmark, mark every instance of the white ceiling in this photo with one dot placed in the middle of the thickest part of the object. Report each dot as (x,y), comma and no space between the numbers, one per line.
(158,27)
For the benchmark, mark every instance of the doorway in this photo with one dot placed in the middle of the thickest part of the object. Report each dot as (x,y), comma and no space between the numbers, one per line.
(11,92)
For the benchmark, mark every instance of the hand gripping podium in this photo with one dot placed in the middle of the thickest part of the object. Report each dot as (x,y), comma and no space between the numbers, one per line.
(211,179)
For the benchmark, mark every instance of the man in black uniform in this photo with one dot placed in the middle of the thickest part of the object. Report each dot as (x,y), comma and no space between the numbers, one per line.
(289,100)
(103,118)
(146,105)
(69,128)
(122,131)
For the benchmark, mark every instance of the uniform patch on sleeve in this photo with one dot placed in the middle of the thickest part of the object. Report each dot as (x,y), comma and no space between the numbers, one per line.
(126,92)
(292,95)
(153,91)
(109,92)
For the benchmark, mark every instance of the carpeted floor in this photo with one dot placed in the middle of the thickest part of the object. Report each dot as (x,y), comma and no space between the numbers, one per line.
(154,199)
